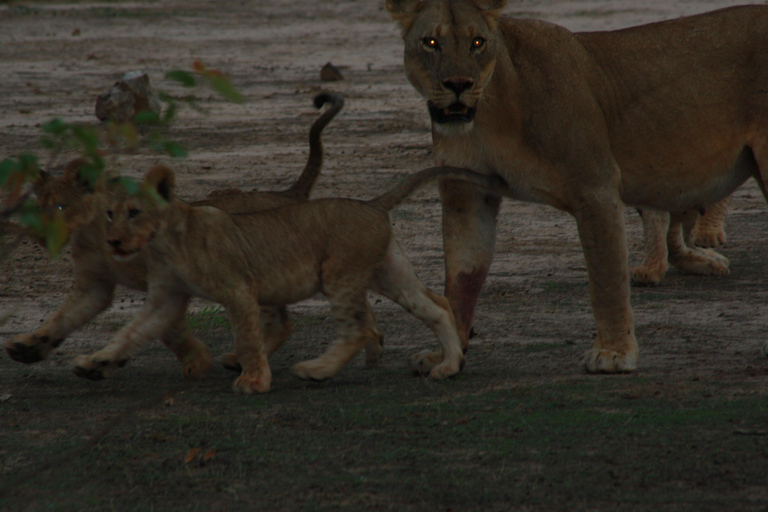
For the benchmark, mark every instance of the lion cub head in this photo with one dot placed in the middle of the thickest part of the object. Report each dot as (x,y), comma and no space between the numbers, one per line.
(450,54)
(71,199)
(137,211)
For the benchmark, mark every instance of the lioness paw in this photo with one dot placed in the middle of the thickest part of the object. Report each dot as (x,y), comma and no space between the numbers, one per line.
(609,361)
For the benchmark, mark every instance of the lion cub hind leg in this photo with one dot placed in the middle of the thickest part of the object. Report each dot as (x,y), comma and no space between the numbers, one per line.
(354,318)
(396,279)
(195,357)
(275,329)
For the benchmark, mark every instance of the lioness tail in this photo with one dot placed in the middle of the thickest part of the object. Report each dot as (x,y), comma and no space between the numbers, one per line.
(303,186)
(408,186)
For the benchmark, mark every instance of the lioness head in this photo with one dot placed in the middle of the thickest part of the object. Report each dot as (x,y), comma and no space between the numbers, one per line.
(136,212)
(450,54)
(69,200)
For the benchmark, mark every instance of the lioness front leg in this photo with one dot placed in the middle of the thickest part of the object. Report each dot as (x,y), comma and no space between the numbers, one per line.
(161,313)
(469,239)
(600,222)
(87,300)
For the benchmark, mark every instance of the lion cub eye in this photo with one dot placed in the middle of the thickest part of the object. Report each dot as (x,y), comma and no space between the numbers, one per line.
(430,42)
(110,214)
(478,43)
(133,213)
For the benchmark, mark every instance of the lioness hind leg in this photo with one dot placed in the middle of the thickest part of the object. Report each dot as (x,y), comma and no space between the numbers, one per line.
(686,256)
(396,279)
(356,328)
(709,230)
(654,266)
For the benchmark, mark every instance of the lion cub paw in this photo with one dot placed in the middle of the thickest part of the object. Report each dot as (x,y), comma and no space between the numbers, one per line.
(250,384)
(425,361)
(199,365)
(373,352)
(314,369)
(609,361)
(29,348)
(95,368)
(230,362)
(434,365)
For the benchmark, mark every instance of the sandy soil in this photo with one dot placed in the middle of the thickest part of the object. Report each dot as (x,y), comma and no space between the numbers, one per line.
(56,57)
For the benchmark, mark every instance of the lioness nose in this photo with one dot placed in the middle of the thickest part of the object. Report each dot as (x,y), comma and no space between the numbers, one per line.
(458,85)
(115,243)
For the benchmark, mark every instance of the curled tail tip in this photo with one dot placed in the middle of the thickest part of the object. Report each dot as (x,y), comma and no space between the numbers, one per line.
(328,97)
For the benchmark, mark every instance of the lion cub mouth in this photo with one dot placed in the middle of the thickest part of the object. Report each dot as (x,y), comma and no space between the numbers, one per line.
(455,113)
(121,256)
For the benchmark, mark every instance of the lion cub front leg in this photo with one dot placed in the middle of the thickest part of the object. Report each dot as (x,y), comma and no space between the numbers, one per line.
(275,329)
(162,311)
(709,230)
(88,299)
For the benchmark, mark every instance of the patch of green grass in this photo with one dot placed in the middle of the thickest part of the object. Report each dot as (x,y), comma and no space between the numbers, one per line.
(208,319)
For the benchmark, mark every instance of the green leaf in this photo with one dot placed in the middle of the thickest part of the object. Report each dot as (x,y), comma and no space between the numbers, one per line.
(185,78)
(56,127)
(223,86)
(8,168)
(146,117)
(175,149)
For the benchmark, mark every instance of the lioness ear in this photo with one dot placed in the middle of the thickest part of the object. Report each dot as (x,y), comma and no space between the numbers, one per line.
(162,180)
(404,11)
(491,10)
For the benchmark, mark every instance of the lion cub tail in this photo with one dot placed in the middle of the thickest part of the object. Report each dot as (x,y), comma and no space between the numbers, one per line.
(306,181)
(408,186)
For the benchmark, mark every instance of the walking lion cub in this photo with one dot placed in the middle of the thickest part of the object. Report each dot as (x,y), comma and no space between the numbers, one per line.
(340,247)
(81,204)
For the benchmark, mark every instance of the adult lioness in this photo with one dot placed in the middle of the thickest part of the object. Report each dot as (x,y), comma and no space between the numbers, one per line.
(340,247)
(671,116)
(96,273)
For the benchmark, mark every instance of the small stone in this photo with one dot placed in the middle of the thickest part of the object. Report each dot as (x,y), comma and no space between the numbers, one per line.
(330,73)
(127,97)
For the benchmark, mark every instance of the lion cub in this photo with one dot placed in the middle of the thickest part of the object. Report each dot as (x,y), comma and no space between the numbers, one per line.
(340,247)
(81,204)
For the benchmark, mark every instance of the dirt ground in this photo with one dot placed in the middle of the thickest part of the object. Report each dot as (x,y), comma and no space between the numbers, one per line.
(56,57)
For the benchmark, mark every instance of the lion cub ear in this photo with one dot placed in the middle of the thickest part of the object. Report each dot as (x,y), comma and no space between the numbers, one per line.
(162,180)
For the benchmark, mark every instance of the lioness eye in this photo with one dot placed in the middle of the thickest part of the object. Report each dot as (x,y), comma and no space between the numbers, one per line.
(478,43)
(133,212)
(429,42)
(109,215)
